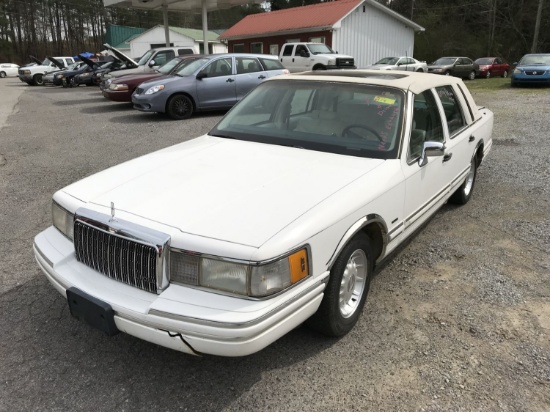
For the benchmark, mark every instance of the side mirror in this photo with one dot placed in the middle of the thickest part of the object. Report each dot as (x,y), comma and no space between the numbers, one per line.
(304,53)
(151,63)
(201,75)
(430,149)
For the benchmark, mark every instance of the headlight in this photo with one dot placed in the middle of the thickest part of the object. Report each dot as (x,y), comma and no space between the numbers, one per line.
(517,71)
(85,75)
(118,86)
(239,278)
(155,89)
(59,76)
(26,72)
(63,220)
(331,62)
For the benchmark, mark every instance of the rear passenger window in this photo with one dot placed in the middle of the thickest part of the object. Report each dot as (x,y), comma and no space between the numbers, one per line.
(426,125)
(287,51)
(248,65)
(271,64)
(452,108)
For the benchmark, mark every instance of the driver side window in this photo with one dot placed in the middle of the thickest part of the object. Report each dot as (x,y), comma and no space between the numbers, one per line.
(426,126)
(217,68)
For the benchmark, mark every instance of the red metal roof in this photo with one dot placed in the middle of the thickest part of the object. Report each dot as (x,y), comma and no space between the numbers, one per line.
(319,15)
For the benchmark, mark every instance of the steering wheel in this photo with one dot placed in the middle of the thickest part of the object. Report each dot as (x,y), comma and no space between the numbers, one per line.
(348,133)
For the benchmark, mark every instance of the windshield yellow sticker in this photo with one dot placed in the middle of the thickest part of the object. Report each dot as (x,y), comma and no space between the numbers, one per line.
(385,100)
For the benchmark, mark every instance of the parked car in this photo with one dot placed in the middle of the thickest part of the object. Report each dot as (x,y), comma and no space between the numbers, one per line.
(55,78)
(93,78)
(532,69)
(208,83)
(120,89)
(492,67)
(8,69)
(32,75)
(399,63)
(462,67)
(279,215)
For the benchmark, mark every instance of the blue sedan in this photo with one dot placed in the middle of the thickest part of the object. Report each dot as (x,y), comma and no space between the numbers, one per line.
(532,69)
(206,83)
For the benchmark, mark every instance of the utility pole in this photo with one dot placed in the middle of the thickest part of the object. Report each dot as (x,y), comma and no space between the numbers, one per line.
(537,28)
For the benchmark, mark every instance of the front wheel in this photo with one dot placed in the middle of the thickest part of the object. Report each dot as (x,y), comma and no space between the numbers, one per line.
(464,193)
(347,289)
(319,67)
(488,75)
(38,80)
(505,74)
(179,107)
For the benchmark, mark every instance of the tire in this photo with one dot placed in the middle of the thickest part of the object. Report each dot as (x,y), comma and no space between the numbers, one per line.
(179,107)
(2,74)
(488,75)
(347,289)
(37,80)
(464,193)
(420,71)
(319,67)
(505,74)
(447,73)
(472,75)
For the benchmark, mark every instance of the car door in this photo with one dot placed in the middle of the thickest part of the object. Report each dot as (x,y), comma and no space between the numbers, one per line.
(426,186)
(218,88)
(302,59)
(287,57)
(250,73)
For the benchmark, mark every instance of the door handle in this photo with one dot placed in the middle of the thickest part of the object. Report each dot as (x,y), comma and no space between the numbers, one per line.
(472,138)
(261,77)
(229,81)
(447,157)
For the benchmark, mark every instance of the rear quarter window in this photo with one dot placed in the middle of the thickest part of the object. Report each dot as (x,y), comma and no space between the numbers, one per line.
(271,64)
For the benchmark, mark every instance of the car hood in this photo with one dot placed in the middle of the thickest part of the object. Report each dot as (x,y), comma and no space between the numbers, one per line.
(230,190)
(165,80)
(139,78)
(535,67)
(121,55)
(56,62)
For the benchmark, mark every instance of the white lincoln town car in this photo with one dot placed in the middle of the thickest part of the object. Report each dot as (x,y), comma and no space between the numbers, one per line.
(278,216)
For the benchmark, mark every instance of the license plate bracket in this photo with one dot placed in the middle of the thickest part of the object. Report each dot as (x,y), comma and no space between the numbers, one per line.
(93,311)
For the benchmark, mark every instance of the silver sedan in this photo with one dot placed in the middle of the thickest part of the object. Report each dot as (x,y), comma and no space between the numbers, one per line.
(206,83)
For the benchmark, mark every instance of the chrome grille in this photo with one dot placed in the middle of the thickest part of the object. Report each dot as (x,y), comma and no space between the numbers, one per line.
(117,257)
(344,62)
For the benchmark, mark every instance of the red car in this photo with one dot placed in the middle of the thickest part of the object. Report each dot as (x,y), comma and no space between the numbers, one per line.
(492,67)
(121,88)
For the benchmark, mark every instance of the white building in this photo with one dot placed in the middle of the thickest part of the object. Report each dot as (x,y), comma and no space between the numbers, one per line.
(364,29)
(155,37)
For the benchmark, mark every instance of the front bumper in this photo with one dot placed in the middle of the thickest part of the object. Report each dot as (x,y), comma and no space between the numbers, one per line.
(25,77)
(118,96)
(182,318)
(523,78)
(150,102)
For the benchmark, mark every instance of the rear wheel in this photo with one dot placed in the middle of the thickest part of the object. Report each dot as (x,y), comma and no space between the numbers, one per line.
(2,74)
(347,289)
(464,193)
(447,73)
(179,107)
(38,80)
(505,74)
(472,75)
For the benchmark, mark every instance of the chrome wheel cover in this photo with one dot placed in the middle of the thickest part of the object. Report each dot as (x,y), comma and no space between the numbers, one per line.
(181,106)
(353,283)
(469,183)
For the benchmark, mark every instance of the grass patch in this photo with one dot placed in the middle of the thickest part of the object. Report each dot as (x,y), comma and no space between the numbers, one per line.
(485,85)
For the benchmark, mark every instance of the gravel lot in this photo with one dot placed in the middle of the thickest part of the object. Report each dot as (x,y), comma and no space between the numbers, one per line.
(458,321)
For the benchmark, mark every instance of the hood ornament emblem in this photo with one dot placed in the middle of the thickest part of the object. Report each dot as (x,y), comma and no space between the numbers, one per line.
(112,210)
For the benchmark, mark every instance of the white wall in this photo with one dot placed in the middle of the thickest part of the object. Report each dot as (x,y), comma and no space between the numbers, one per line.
(370,35)
(142,43)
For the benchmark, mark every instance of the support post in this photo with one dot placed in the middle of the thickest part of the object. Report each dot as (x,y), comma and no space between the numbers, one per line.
(166,27)
(205,27)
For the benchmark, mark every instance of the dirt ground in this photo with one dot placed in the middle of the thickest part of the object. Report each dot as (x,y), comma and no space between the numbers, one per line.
(459,320)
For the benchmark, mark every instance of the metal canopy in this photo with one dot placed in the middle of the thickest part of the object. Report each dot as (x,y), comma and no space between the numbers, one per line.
(190,6)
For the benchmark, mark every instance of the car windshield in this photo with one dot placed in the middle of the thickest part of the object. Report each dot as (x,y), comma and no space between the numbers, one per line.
(342,118)
(485,60)
(190,67)
(169,65)
(445,61)
(536,59)
(320,49)
(145,58)
(388,60)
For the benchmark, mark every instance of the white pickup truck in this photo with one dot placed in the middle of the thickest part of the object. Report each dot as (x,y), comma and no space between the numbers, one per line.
(33,75)
(300,57)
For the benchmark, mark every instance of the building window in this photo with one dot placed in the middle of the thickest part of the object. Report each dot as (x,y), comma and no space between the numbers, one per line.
(256,47)
(293,40)
(274,49)
(238,48)
(320,39)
